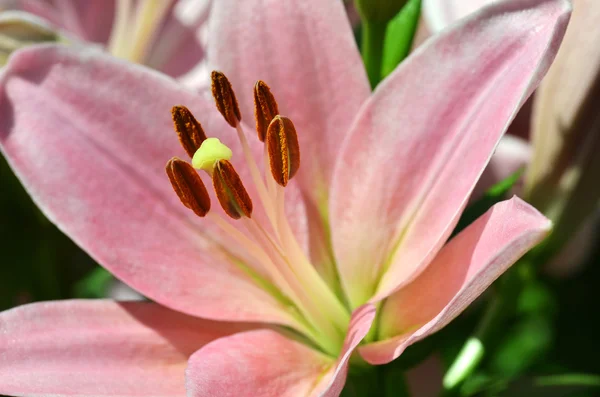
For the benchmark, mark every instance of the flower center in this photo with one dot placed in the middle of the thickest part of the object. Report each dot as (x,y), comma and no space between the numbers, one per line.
(322,316)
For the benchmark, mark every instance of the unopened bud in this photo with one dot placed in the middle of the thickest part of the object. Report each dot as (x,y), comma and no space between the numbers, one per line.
(20,29)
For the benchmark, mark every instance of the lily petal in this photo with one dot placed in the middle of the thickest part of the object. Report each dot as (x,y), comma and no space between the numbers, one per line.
(423,139)
(91,20)
(179,45)
(463,269)
(305,51)
(511,155)
(255,364)
(440,13)
(566,127)
(360,324)
(266,363)
(100,348)
(89,135)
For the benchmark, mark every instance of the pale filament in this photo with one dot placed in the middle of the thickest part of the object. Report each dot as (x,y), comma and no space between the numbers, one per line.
(133,31)
(309,277)
(256,177)
(271,184)
(314,315)
(265,259)
(117,44)
(320,305)
(265,255)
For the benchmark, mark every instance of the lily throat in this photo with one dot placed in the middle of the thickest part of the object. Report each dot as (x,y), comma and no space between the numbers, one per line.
(269,240)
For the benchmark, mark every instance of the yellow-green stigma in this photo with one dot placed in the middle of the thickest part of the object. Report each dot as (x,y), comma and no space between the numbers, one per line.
(211,151)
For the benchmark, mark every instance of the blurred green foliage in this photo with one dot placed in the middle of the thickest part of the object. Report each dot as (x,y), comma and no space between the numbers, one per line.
(38,262)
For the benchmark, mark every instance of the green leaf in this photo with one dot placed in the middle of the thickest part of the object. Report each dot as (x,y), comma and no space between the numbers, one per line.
(386,36)
(372,42)
(560,385)
(524,344)
(536,297)
(94,285)
(495,194)
(481,384)
(399,36)
(587,380)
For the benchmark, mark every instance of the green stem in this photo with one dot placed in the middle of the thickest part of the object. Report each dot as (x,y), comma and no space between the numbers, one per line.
(373,37)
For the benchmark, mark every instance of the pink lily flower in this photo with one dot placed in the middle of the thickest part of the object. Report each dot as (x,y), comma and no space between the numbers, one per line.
(166,35)
(361,228)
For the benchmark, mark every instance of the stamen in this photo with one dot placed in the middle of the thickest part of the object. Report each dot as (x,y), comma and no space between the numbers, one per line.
(149,16)
(189,187)
(265,108)
(230,191)
(207,155)
(256,176)
(283,149)
(225,98)
(190,132)
(117,45)
(277,253)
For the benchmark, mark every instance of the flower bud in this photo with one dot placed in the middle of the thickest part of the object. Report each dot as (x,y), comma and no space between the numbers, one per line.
(19,30)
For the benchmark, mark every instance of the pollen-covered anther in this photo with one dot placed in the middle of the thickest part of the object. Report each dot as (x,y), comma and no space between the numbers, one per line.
(265,108)
(283,149)
(189,187)
(190,132)
(225,98)
(230,191)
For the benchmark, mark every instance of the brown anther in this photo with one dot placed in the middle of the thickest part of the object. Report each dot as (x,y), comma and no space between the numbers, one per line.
(225,98)
(283,149)
(190,132)
(265,108)
(189,187)
(230,191)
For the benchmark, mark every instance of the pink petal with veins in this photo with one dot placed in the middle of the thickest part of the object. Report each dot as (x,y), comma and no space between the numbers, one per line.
(100,348)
